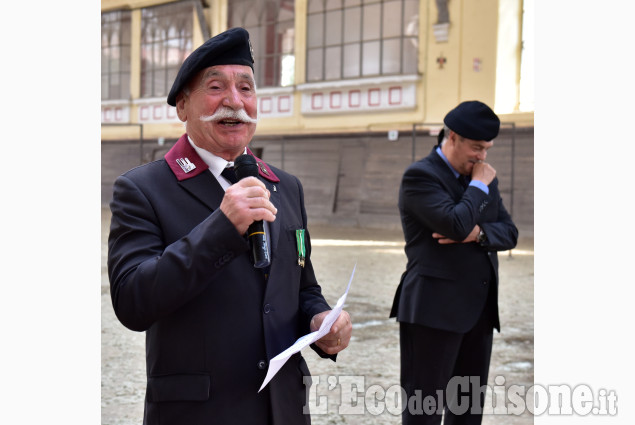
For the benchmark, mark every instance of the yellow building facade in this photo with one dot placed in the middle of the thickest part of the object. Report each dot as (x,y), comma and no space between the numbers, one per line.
(342,73)
(477,55)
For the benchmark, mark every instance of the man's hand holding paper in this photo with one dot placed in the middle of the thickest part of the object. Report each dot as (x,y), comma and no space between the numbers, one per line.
(338,337)
(330,331)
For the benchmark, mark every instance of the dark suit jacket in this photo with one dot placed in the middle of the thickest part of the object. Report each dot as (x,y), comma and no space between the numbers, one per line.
(180,271)
(446,286)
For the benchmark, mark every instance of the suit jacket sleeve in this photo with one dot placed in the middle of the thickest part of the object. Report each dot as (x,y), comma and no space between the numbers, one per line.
(502,234)
(431,195)
(149,280)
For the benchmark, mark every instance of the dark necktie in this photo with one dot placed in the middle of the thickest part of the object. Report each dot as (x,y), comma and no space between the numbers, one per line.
(230,174)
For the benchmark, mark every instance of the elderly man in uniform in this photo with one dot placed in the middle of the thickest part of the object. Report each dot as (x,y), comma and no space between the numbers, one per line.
(181,269)
(454,222)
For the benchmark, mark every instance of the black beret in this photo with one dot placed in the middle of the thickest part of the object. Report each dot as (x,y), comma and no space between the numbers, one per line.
(231,47)
(473,120)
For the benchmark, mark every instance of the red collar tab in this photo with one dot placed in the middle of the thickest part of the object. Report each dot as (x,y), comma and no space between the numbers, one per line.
(184,161)
(263,169)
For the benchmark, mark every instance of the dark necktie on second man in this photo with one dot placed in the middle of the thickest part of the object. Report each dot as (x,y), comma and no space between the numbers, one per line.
(464,180)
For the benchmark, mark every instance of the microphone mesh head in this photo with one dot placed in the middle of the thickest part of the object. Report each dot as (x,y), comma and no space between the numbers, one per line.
(245,166)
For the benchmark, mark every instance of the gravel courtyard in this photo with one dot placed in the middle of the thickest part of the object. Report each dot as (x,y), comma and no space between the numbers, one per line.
(370,366)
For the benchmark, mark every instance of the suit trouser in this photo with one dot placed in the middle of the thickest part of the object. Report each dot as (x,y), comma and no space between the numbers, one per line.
(441,368)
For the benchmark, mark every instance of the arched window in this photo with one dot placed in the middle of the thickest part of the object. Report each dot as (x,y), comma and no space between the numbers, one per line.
(270,24)
(166,40)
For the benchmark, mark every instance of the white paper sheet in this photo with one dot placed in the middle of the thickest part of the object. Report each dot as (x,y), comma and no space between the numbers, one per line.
(277,362)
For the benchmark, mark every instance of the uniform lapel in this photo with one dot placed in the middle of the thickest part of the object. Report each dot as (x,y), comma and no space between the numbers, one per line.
(275,226)
(205,188)
(447,175)
(193,173)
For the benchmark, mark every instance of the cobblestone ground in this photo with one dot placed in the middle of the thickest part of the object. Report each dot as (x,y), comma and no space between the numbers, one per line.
(372,360)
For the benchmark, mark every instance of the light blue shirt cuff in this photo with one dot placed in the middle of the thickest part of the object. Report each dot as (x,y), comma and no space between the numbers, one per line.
(479,184)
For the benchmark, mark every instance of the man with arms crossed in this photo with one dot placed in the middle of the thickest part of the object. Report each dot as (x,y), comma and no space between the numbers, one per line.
(454,222)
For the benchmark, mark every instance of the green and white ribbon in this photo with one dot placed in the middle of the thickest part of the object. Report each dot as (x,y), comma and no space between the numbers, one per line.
(299,237)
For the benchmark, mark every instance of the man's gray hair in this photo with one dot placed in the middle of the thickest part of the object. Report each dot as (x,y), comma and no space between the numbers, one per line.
(446,134)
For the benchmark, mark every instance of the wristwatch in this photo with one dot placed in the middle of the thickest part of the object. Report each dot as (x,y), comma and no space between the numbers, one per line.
(482,237)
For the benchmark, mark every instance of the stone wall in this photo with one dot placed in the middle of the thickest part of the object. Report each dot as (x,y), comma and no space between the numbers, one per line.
(354,179)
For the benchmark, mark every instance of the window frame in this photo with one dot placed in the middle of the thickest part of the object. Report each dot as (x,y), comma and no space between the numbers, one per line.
(163,53)
(268,64)
(360,43)
(109,20)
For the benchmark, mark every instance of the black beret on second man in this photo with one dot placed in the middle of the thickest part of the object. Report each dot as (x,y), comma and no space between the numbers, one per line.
(231,47)
(473,120)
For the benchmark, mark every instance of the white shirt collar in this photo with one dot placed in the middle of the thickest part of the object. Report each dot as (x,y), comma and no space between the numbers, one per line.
(445,159)
(215,163)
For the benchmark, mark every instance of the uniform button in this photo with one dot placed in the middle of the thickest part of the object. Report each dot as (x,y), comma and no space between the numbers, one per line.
(484,282)
(267,308)
(262,364)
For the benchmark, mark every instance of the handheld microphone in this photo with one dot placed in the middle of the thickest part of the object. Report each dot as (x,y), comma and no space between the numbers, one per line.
(246,166)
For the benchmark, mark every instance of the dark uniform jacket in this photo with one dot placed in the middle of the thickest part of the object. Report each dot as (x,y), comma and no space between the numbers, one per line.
(446,286)
(180,271)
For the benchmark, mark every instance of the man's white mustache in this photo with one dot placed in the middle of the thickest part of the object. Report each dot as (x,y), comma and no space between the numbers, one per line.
(225,113)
